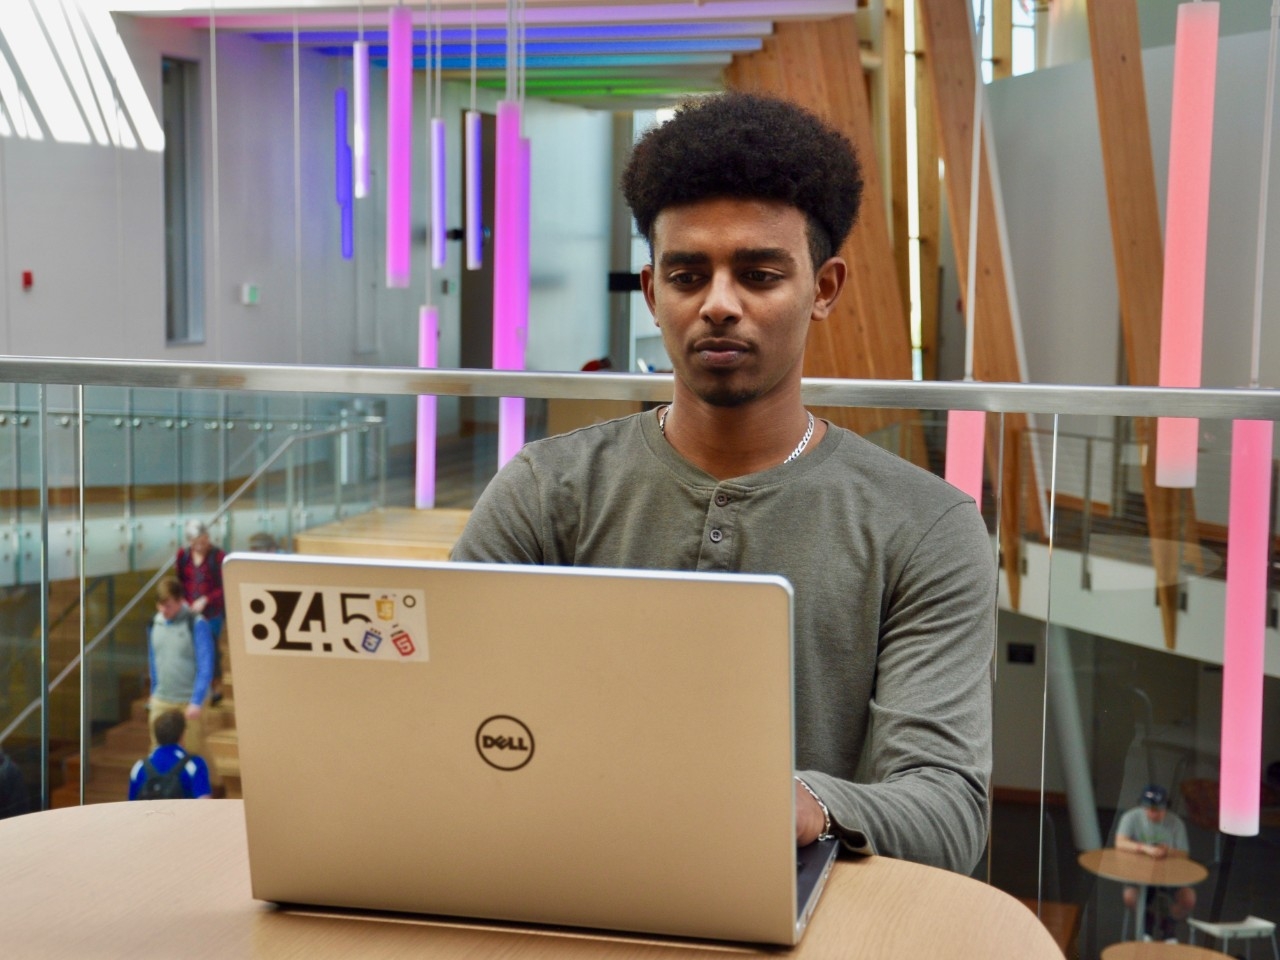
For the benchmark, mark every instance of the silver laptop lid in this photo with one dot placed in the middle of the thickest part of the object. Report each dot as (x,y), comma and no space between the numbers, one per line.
(589,747)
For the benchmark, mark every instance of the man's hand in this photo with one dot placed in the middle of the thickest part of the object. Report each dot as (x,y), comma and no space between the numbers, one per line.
(199,604)
(192,711)
(1157,850)
(809,818)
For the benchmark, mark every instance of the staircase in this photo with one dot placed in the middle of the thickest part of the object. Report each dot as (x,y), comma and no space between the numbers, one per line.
(126,743)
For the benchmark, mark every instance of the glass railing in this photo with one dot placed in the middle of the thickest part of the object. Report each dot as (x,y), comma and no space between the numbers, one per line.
(1108,670)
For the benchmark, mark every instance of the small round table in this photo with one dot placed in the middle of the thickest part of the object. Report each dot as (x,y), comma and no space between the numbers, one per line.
(1134,950)
(1127,866)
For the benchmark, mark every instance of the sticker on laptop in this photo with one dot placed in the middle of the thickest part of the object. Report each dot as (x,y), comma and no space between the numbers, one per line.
(332,622)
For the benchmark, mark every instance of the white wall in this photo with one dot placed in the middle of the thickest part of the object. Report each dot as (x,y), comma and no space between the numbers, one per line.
(89,221)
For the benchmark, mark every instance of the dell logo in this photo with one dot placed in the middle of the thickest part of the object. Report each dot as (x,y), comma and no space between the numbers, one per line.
(504,743)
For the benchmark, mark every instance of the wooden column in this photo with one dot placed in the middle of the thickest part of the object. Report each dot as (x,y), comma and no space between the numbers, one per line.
(928,192)
(1001,27)
(894,71)
(817,64)
(1136,240)
(949,39)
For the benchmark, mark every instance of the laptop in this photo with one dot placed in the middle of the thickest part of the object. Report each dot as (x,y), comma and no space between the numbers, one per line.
(610,749)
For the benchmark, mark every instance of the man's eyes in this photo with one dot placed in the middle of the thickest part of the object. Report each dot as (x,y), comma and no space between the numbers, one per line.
(688,278)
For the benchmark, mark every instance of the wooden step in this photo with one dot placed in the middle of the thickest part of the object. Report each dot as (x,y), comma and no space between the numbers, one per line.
(131,735)
(108,769)
(223,745)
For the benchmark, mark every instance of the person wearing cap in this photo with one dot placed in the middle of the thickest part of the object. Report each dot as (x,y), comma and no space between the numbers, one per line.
(1154,831)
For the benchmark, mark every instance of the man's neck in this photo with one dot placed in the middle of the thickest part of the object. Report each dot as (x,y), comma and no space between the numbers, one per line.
(728,442)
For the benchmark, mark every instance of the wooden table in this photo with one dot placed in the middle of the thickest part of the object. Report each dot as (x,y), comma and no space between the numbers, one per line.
(1160,951)
(1127,866)
(170,878)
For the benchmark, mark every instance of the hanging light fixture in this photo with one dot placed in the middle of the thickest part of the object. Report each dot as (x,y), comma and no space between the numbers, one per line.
(439,173)
(342,172)
(360,107)
(424,489)
(474,173)
(511,248)
(1248,536)
(399,144)
(1186,233)
(966,429)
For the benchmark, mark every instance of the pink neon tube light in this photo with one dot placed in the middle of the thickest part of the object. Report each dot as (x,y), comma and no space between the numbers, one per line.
(360,131)
(399,145)
(424,491)
(1186,233)
(510,271)
(474,191)
(1244,627)
(966,438)
(439,200)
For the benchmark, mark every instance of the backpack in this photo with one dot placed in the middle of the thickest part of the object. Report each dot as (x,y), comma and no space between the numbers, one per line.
(164,786)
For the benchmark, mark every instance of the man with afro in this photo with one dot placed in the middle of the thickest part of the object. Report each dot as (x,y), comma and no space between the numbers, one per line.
(745,202)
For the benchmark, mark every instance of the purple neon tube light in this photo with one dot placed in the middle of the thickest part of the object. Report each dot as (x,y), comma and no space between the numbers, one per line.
(360,94)
(342,172)
(511,290)
(399,145)
(1195,58)
(439,201)
(424,488)
(966,439)
(473,187)
(1244,630)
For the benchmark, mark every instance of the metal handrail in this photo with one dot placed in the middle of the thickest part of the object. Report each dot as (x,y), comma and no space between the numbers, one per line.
(1205,402)
(150,584)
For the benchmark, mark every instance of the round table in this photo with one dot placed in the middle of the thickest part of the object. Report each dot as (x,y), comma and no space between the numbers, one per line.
(1128,866)
(168,878)
(1136,950)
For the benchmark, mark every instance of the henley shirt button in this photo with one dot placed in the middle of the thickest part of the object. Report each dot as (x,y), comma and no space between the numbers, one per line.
(716,536)
(721,499)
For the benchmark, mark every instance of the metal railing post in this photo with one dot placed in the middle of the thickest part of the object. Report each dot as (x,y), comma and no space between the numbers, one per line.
(1086,516)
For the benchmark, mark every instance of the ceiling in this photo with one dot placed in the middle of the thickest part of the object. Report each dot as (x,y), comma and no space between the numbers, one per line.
(615,54)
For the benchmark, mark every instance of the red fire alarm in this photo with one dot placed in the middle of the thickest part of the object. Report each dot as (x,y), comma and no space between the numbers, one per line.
(28,279)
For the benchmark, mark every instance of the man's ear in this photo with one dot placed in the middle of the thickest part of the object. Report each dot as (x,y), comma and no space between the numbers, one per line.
(828,284)
(646,285)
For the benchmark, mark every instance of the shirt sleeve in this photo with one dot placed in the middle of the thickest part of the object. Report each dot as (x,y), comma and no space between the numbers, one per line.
(214,594)
(136,779)
(506,525)
(924,775)
(204,660)
(151,659)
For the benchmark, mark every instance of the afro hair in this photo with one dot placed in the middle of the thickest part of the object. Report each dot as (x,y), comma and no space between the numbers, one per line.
(743,145)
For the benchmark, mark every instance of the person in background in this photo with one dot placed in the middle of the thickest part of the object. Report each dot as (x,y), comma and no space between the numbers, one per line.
(745,202)
(14,798)
(199,568)
(1152,830)
(194,778)
(180,649)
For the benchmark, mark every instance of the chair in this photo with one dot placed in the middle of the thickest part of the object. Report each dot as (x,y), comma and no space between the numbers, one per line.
(1250,928)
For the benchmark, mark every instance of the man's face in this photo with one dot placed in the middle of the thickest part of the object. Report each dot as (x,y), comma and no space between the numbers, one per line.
(733,290)
(1155,814)
(169,607)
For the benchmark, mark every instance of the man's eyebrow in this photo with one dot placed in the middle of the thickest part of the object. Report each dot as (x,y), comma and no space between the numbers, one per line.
(686,258)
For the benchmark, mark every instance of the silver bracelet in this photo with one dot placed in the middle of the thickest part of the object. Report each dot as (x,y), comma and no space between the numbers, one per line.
(826,833)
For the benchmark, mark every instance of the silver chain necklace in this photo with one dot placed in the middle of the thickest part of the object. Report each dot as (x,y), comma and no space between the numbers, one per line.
(804,441)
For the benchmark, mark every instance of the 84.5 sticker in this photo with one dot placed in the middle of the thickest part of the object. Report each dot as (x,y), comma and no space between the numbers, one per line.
(331,622)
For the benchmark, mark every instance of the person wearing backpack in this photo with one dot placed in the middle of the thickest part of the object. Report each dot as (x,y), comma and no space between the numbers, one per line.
(180,647)
(169,772)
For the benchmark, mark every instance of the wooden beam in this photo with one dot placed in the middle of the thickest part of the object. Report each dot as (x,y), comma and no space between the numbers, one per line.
(1002,38)
(1136,241)
(929,208)
(817,65)
(949,39)
(894,72)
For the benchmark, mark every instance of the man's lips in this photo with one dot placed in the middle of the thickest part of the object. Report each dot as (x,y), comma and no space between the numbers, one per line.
(719,351)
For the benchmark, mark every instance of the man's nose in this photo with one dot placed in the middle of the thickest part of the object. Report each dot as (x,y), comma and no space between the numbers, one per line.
(722,303)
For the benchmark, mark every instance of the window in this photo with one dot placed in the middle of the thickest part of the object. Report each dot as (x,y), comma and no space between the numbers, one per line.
(183,260)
